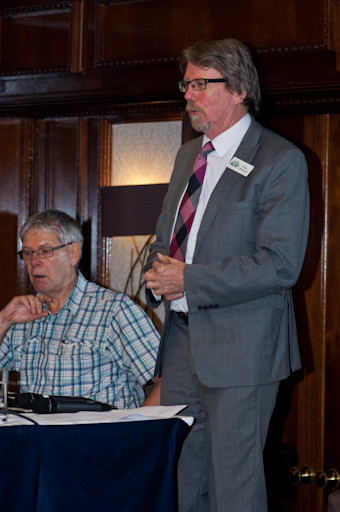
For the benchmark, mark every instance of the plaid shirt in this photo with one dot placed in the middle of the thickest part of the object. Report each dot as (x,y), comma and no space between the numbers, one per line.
(100,345)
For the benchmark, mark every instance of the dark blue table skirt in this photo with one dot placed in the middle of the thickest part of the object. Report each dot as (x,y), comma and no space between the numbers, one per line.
(123,467)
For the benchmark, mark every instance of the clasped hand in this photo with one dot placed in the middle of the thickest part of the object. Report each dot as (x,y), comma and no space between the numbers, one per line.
(166,277)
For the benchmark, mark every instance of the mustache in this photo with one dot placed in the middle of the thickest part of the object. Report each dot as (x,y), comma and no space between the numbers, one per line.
(191,107)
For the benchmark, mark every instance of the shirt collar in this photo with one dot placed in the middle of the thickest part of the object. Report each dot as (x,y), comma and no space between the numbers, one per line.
(77,293)
(225,140)
(74,300)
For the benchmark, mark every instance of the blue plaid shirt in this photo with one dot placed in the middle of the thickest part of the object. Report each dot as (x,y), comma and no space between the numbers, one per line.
(100,345)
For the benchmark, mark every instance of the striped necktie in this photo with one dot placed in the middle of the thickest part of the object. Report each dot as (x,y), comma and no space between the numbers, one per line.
(189,204)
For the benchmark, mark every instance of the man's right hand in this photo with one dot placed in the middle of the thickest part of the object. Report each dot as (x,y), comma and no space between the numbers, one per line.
(21,310)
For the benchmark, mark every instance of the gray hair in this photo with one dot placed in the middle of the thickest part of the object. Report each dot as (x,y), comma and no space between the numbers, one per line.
(233,60)
(67,228)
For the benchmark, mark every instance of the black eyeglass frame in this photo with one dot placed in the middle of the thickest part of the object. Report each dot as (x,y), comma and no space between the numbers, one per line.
(184,84)
(20,253)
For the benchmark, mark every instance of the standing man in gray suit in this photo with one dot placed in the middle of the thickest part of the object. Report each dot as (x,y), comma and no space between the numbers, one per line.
(229,248)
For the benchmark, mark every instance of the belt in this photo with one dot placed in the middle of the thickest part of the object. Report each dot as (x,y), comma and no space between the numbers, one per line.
(182,316)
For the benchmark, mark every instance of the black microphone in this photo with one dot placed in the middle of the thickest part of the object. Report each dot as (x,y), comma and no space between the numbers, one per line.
(22,400)
(56,404)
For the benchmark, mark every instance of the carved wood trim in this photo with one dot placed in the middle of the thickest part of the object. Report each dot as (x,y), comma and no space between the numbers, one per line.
(115,2)
(82,155)
(38,71)
(313,47)
(27,185)
(9,12)
(78,105)
(301,103)
(105,181)
(145,61)
(331,23)
(76,36)
(75,7)
(291,48)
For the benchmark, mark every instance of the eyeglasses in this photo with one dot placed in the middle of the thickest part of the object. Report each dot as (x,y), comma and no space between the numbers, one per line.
(199,84)
(44,252)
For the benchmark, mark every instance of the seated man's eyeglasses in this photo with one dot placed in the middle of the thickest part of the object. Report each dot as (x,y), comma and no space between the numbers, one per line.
(199,84)
(43,252)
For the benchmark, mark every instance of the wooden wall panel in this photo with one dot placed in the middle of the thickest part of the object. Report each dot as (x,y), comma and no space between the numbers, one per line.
(67,177)
(89,195)
(57,165)
(134,33)
(310,436)
(52,163)
(16,162)
(332,298)
(41,39)
(74,67)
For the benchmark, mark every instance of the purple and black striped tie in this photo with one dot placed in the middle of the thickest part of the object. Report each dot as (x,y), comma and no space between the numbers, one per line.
(189,204)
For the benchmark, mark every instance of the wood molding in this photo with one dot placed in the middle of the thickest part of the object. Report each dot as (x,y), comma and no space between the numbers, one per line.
(105,180)
(66,61)
(76,35)
(289,49)
(13,11)
(91,104)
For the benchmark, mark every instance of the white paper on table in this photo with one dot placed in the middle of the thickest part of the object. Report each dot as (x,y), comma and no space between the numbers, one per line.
(117,415)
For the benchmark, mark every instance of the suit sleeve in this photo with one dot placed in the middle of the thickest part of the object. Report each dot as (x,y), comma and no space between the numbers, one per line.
(159,245)
(280,238)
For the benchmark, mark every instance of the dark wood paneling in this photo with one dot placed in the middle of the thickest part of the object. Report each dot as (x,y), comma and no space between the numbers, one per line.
(52,163)
(134,33)
(57,180)
(67,177)
(102,42)
(122,61)
(41,39)
(36,43)
(332,298)
(16,166)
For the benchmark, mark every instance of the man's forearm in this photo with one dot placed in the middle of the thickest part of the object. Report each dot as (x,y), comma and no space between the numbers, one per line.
(154,397)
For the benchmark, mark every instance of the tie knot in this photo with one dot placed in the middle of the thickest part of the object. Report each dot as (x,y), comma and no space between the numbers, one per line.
(207,148)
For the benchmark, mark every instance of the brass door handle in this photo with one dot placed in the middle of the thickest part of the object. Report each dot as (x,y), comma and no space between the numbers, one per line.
(330,479)
(305,476)
(333,478)
(321,479)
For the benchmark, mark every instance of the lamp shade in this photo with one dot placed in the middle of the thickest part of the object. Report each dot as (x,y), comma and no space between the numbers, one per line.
(131,210)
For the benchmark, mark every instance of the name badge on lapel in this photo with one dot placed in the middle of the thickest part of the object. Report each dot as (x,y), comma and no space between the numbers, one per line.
(238,165)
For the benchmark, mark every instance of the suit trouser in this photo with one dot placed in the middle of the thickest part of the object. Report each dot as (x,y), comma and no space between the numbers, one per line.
(220,468)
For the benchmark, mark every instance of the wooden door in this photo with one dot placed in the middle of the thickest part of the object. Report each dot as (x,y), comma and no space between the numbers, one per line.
(308,403)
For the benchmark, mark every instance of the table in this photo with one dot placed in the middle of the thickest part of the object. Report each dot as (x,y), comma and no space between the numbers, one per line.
(123,467)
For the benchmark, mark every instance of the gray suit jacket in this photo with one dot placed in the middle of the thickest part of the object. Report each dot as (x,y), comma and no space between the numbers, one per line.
(249,253)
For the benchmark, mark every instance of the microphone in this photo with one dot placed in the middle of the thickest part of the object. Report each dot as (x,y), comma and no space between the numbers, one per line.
(59,404)
(51,404)
(22,400)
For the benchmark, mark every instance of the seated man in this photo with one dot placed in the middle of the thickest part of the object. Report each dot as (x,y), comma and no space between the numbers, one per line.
(75,338)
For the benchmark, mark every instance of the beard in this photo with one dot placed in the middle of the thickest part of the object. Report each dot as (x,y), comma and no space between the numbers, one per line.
(197,124)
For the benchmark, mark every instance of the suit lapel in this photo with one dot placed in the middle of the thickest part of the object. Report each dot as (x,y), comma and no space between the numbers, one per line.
(246,152)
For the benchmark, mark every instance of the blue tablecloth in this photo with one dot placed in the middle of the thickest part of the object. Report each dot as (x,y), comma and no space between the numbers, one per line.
(123,467)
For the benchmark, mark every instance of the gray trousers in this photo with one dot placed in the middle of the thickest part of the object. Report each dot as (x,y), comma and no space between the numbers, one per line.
(220,468)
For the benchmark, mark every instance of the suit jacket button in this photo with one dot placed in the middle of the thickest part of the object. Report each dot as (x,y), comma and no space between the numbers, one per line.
(199,308)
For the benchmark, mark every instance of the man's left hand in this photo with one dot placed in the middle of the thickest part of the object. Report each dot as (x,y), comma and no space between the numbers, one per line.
(166,277)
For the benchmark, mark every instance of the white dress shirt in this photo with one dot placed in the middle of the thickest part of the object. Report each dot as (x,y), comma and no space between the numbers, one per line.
(225,146)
